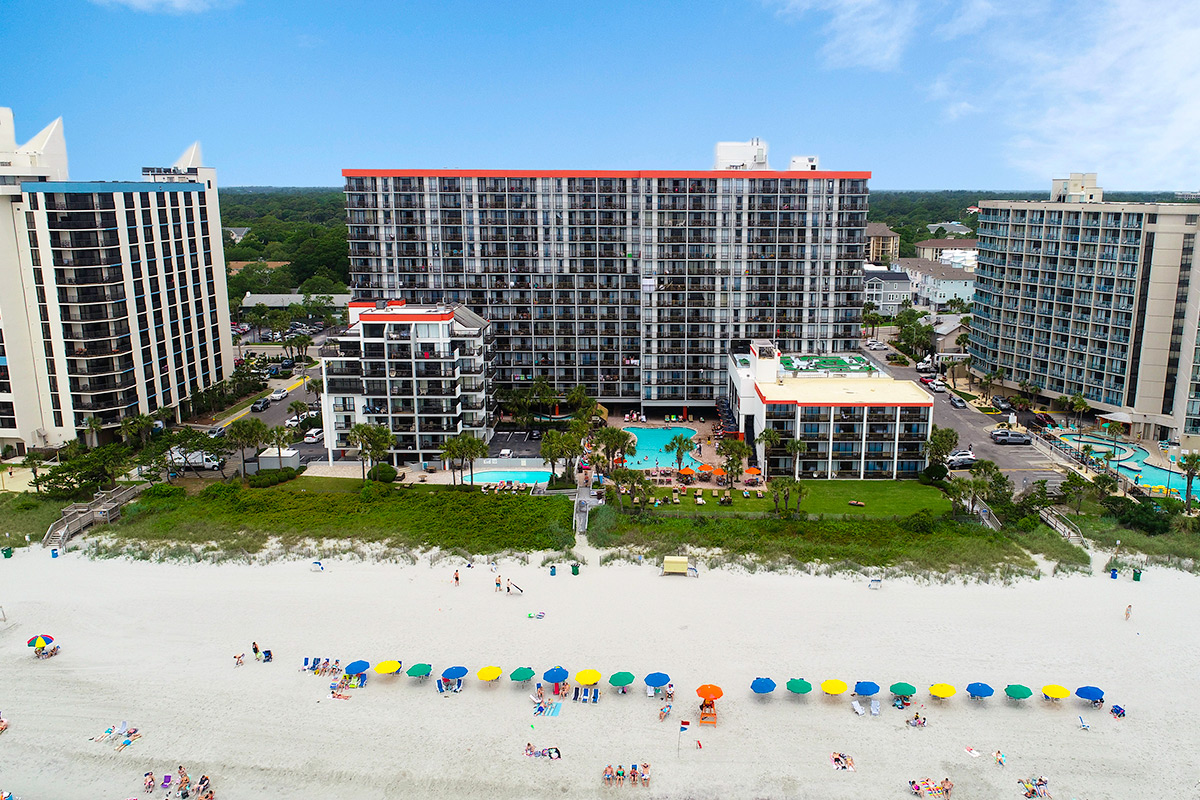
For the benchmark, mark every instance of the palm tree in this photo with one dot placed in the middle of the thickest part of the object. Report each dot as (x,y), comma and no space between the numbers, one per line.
(613,442)
(769,439)
(94,425)
(297,407)
(247,432)
(472,449)
(314,386)
(1086,451)
(734,451)
(357,437)
(796,448)
(553,448)
(578,397)
(452,449)
(681,444)
(137,426)
(1079,405)
(1190,464)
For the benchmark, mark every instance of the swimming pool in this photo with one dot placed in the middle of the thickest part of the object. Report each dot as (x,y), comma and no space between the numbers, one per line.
(650,444)
(514,475)
(1130,461)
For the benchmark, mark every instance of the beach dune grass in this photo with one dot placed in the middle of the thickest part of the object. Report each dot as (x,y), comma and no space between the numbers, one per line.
(921,542)
(27,513)
(235,517)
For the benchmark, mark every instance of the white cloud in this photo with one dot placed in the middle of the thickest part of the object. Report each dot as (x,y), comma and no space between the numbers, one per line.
(168,6)
(1120,97)
(859,33)
(970,17)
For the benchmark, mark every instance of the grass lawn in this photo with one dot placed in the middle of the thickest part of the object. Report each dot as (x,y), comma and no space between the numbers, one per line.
(964,395)
(235,517)
(1106,531)
(23,513)
(881,498)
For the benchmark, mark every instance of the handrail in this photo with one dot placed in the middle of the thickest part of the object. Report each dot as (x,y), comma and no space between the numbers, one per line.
(75,521)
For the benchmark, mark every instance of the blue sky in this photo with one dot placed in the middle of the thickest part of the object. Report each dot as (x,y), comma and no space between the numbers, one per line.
(925,94)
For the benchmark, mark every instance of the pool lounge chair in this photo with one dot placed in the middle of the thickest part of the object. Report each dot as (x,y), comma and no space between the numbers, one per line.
(1083,726)
(857,706)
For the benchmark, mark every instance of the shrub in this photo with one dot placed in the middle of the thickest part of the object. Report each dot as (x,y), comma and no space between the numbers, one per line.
(24,503)
(165,492)
(934,472)
(273,477)
(216,491)
(384,473)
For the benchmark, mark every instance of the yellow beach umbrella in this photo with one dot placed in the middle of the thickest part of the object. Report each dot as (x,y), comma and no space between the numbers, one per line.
(942,690)
(1055,692)
(489,673)
(387,667)
(587,677)
(834,686)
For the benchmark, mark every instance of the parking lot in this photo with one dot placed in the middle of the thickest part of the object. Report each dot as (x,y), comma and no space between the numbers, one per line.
(1023,464)
(520,444)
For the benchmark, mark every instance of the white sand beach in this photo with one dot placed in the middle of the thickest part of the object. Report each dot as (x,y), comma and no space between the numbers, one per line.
(154,643)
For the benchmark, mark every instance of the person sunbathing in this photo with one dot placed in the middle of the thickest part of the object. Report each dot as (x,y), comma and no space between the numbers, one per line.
(324,667)
(670,692)
(608,775)
(839,761)
(645,774)
(148,781)
(1000,758)
(947,786)
(633,774)
(664,712)
(107,733)
(3,724)
(529,748)
(620,775)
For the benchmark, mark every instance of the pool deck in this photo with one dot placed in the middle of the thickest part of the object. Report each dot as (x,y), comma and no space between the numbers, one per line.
(704,433)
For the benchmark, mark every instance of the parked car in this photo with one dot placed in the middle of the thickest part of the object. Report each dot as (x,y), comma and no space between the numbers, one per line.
(877,346)
(1002,403)
(260,405)
(215,433)
(927,379)
(925,368)
(315,435)
(937,387)
(287,363)
(179,458)
(1046,418)
(294,422)
(1011,437)
(960,454)
(966,462)
(279,394)
(957,401)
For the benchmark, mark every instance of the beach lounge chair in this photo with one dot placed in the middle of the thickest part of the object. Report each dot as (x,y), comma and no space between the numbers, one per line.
(760,494)
(575,696)
(1083,726)
(675,498)
(874,708)
(875,583)
(458,685)
(166,784)
(441,687)
(305,667)
(857,706)
(714,493)
(650,691)
(595,694)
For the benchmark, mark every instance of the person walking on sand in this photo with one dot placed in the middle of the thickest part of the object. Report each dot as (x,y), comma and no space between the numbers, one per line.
(257,655)
(508,585)
(497,583)
(456,577)
(237,660)
(1128,611)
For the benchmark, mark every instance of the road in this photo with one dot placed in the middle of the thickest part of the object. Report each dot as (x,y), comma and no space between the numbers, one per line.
(1023,464)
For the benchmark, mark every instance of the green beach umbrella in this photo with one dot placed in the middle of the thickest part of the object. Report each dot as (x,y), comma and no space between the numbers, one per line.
(903,689)
(522,674)
(1017,692)
(419,670)
(621,679)
(799,686)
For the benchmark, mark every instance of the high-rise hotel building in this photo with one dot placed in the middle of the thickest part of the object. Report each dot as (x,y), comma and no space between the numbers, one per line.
(1076,294)
(112,295)
(634,284)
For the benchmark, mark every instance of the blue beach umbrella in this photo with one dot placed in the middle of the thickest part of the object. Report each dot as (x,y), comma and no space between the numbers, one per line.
(762,686)
(555,675)
(866,688)
(980,690)
(357,668)
(657,679)
(454,673)
(1092,693)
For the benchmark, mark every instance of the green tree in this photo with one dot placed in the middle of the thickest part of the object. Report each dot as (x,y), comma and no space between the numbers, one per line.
(680,445)
(33,462)
(1190,464)
(378,443)
(137,426)
(473,449)
(1086,452)
(553,448)
(1104,485)
(1079,405)
(452,450)
(769,439)
(942,442)
(296,408)
(734,452)
(611,444)
(357,437)
(247,432)
(796,448)
(1074,488)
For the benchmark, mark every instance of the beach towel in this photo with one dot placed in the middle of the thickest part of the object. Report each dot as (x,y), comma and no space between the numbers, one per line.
(538,615)
(973,752)
(554,709)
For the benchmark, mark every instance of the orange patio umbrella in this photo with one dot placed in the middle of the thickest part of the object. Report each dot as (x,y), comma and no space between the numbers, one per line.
(753,471)
(709,692)
(718,471)
(706,467)
(687,471)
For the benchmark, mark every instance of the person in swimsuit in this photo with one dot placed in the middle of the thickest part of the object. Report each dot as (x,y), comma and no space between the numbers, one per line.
(645,774)
(529,748)
(633,774)
(620,775)
(609,776)
(663,712)
(237,660)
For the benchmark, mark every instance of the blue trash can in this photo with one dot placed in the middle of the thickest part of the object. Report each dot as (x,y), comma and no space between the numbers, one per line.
(1113,574)
(54,552)
(553,572)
